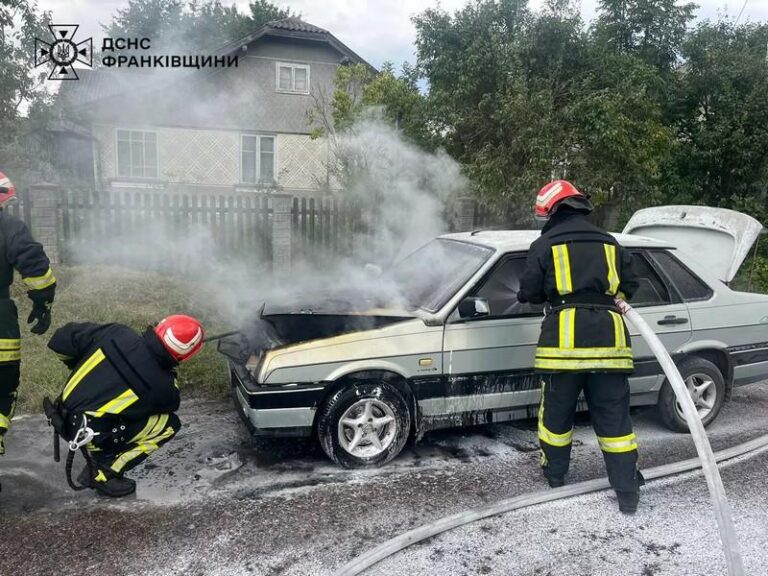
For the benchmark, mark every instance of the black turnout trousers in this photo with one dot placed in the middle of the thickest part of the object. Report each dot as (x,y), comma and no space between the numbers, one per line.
(607,396)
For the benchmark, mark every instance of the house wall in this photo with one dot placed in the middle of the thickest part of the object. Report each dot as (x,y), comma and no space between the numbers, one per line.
(210,159)
(199,120)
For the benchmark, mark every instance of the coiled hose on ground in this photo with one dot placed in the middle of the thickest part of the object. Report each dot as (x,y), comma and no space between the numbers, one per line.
(706,460)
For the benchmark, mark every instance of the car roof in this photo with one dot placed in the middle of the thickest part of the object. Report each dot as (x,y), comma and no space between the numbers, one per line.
(512,240)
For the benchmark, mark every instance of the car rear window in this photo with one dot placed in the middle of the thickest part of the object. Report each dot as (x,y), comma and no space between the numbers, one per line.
(690,286)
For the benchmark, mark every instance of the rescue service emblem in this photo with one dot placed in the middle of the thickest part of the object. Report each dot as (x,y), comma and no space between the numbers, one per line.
(63,52)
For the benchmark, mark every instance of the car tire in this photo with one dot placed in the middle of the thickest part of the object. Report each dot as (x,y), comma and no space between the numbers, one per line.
(364,424)
(696,372)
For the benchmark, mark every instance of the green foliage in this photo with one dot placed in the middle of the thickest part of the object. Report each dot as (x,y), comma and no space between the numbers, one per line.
(20,86)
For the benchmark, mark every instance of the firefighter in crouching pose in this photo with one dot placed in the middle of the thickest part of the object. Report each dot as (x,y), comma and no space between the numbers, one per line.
(584,345)
(119,401)
(18,250)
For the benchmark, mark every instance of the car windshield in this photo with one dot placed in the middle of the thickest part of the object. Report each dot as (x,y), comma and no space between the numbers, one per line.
(428,277)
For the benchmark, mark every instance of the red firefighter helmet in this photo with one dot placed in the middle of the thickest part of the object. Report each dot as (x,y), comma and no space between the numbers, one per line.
(557,193)
(181,335)
(7,189)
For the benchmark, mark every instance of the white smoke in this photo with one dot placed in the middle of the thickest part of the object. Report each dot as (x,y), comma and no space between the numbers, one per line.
(401,189)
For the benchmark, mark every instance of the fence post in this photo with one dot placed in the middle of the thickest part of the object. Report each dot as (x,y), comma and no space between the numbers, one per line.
(44,217)
(281,232)
(464,216)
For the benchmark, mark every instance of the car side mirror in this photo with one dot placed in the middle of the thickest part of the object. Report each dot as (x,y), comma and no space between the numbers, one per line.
(474,307)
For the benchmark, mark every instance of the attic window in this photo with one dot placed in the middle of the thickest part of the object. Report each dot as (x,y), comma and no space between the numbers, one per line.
(292,78)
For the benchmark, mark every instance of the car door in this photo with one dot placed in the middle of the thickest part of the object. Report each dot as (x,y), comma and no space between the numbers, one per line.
(661,306)
(488,361)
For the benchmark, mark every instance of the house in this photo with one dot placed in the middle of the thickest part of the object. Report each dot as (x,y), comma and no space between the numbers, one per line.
(215,130)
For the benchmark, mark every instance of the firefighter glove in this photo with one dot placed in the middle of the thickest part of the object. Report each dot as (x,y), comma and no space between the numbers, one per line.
(41,312)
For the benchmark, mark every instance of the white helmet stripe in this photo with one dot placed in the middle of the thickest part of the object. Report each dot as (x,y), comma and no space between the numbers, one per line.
(549,194)
(177,345)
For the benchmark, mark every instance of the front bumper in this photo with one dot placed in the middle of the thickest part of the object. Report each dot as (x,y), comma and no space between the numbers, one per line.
(284,410)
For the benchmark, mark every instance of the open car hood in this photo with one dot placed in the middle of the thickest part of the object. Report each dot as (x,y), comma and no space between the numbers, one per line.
(718,238)
(304,318)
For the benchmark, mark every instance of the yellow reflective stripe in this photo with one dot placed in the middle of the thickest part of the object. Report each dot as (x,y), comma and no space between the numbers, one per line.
(613,275)
(118,404)
(162,421)
(151,421)
(10,344)
(607,352)
(10,355)
(95,359)
(146,447)
(568,328)
(101,477)
(562,263)
(5,422)
(40,282)
(618,444)
(558,440)
(584,364)
(618,328)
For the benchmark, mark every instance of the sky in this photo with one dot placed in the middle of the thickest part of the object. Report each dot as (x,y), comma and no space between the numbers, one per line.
(378,30)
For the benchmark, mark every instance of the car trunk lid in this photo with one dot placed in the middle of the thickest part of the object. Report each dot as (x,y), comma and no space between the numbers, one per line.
(719,238)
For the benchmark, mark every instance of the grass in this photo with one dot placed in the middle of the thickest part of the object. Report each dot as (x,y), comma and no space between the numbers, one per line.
(135,298)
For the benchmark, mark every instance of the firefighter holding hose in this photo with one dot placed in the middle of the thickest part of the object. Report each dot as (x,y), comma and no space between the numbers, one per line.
(119,401)
(578,269)
(19,251)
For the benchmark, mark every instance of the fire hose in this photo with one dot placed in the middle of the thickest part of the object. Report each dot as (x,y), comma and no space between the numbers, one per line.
(706,460)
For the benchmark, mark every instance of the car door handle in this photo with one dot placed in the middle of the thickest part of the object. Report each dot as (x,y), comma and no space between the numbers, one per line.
(672,320)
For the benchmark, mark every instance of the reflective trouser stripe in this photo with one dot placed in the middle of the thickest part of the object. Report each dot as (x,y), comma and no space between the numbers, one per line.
(584,364)
(618,444)
(5,422)
(553,439)
(618,329)
(562,269)
(10,344)
(95,359)
(613,276)
(546,435)
(10,355)
(145,447)
(567,328)
(117,404)
(606,352)
(155,425)
(40,282)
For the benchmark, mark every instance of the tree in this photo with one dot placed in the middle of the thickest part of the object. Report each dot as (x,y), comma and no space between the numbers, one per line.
(722,118)
(651,29)
(23,101)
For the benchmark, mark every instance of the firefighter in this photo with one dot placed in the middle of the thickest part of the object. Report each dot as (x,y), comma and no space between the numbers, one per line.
(122,388)
(18,250)
(578,269)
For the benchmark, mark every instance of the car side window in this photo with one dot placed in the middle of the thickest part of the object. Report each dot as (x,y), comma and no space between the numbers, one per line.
(690,286)
(501,287)
(652,291)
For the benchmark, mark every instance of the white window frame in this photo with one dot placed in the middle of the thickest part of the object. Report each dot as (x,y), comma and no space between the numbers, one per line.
(259,180)
(293,66)
(117,153)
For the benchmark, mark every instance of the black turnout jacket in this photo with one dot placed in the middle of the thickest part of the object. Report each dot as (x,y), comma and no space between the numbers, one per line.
(115,371)
(579,269)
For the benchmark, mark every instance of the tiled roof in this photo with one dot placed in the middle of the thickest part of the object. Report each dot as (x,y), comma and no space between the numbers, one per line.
(296,25)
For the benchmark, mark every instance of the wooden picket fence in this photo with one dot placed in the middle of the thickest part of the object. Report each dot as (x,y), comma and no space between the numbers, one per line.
(177,232)
(164,231)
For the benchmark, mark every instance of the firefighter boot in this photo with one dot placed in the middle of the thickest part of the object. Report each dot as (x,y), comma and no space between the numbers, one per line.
(106,482)
(628,501)
(555,482)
